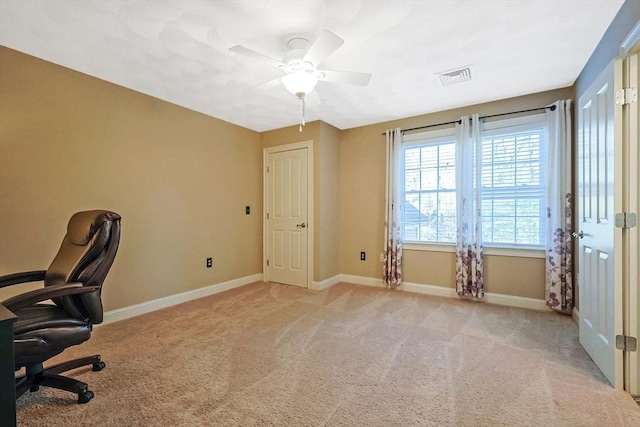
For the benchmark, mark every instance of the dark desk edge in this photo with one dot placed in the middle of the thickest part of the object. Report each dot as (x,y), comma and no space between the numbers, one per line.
(7,371)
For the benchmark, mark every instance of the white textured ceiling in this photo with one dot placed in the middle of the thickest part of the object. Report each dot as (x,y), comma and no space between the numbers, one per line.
(178,50)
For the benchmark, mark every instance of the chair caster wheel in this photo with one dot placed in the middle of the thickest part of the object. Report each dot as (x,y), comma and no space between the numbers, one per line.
(84,397)
(98,366)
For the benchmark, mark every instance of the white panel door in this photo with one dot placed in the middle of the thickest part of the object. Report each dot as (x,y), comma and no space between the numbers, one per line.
(287,226)
(598,269)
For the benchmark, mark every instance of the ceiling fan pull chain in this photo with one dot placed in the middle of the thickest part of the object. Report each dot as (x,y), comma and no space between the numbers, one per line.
(300,125)
(301,114)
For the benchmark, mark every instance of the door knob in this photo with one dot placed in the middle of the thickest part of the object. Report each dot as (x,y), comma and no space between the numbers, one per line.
(579,235)
(303,225)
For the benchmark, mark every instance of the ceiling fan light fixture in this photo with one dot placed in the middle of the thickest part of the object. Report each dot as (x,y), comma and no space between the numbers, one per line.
(300,82)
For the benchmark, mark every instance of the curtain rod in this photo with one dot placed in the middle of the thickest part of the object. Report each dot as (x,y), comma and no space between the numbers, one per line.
(551,107)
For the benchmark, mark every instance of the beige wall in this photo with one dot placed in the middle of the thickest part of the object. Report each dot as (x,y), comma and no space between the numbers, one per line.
(328,259)
(291,135)
(362,207)
(179,179)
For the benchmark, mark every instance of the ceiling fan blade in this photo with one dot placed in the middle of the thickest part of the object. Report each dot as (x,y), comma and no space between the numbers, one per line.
(245,51)
(266,85)
(350,77)
(312,99)
(325,45)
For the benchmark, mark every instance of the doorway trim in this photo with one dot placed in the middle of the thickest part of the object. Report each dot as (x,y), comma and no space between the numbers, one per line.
(631,243)
(630,43)
(310,196)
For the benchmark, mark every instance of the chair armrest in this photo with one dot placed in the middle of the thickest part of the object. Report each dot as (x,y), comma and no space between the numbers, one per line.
(24,277)
(29,298)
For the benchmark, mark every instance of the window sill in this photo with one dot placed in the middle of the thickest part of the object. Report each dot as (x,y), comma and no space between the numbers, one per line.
(516,252)
(444,247)
(430,247)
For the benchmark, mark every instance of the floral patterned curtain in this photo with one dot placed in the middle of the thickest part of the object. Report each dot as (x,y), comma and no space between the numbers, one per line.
(469,264)
(559,281)
(392,256)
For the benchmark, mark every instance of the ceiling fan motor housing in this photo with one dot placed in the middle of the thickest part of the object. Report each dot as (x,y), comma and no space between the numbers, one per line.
(298,47)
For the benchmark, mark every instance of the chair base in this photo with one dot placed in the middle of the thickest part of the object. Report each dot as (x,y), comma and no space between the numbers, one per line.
(37,376)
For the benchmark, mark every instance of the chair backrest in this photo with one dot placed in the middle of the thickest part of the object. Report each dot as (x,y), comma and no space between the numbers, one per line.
(85,256)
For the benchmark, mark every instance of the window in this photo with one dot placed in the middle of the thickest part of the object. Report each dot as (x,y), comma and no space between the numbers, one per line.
(513,184)
(429,187)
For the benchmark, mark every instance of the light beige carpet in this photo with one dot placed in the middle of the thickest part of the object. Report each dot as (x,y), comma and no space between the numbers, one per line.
(268,354)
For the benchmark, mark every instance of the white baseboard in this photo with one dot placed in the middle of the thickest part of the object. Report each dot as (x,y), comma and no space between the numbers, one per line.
(439,291)
(443,291)
(514,301)
(326,283)
(156,304)
(361,280)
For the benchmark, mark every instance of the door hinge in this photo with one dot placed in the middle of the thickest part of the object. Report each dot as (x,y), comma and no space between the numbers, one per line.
(626,343)
(267,215)
(267,169)
(626,220)
(267,263)
(626,96)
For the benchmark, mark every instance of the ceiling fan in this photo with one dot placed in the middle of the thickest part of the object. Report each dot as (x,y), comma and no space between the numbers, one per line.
(300,64)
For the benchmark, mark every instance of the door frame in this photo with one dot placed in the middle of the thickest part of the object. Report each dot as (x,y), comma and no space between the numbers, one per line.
(266,152)
(631,243)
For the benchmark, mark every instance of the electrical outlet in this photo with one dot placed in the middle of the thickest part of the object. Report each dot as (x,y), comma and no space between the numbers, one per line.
(363,256)
(209,262)
(247,210)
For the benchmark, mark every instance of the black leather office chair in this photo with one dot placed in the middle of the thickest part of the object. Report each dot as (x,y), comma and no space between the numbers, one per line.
(74,283)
